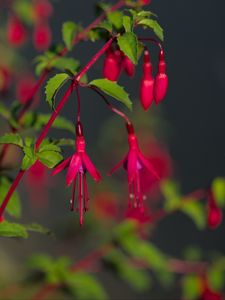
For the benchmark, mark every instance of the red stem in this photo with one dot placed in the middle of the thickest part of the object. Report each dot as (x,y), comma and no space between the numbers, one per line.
(151,40)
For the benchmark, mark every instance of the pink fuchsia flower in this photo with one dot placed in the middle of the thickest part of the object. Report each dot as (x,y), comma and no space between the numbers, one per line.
(78,165)
(134,162)
(215,215)
(42,36)
(16,32)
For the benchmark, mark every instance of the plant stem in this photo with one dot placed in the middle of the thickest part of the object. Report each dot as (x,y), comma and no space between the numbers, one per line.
(53,117)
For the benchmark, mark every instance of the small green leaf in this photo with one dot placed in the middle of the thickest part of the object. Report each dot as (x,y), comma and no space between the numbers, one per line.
(65,63)
(128,43)
(38,228)
(24,10)
(195,210)
(12,138)
(53,85)
(112,89)
(105,25)
(218,189)
(127,23)
(145,14)
(191,287)
(14,206)
(12,230)
(85,287)
(64,142)
(116,18)
(29,154)
(49,154)
(154,25)
(69,30)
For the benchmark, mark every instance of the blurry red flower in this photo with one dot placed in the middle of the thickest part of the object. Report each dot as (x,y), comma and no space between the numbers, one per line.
(42,9)
(16,32)
(215,215)
(42,36)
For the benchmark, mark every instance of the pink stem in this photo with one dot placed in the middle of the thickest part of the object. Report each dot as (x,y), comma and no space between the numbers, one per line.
(151,40)
(11,191)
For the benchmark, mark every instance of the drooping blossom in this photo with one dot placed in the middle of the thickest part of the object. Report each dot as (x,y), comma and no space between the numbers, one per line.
(128,66)
(16,32)
(161,80)
(134,163)
(78,165)
(42,36)
(112,65)
(215,215)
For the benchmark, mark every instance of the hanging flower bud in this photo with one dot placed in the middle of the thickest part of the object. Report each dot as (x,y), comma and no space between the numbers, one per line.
(215,215)
(147,83)
(42,37)
(16,32)
(145,2)
(112,65)
(161,80)
(42,9)
(128,66)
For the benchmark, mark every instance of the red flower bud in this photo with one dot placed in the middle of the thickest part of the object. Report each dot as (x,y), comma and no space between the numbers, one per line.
(16,32)
(145,2)
(215,214)
(147,83)
(42,37)
(128,66)
(43,9)
(161,80)
(112,65)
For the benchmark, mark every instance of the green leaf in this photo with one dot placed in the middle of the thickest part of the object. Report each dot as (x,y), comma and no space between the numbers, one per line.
(64,142)
(24,10)
(49,154)
(127,23)
(154,25)
(112,89)
(145,14)
(171,192)
(116,18)
(53,85)
(14,206)
(13,230)
(191,287)
(29,154)
(69,30)
(64,63)
(128,43)
(105,25)
(38,228)
(117,261)
(12,138)
(85,287)
(195,210)
(218,189)
(4,111)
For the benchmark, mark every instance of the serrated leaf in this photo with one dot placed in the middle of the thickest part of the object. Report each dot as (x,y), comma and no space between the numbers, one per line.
(112,89)
(195,210)
(12,230)
(29,154)
(49,158)
(127,23)
(116,18)
(53,85)
(218,189)
(191,287)
(69,30)
(145,14)
(12,138)
(14,206)
(128,44)
(154,25)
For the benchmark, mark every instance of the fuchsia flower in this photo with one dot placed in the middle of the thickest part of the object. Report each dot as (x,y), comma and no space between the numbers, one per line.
(78,165)
(16,32)
(42,36)
(147,83)
(161,80)
(112,65)
(128,66)
(134,162)
(215,214)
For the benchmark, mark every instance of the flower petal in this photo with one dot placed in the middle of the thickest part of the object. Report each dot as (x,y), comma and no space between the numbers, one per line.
(118,165)
(131,165)
(90,167)
(148,165)
(74,166)
(64,164)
